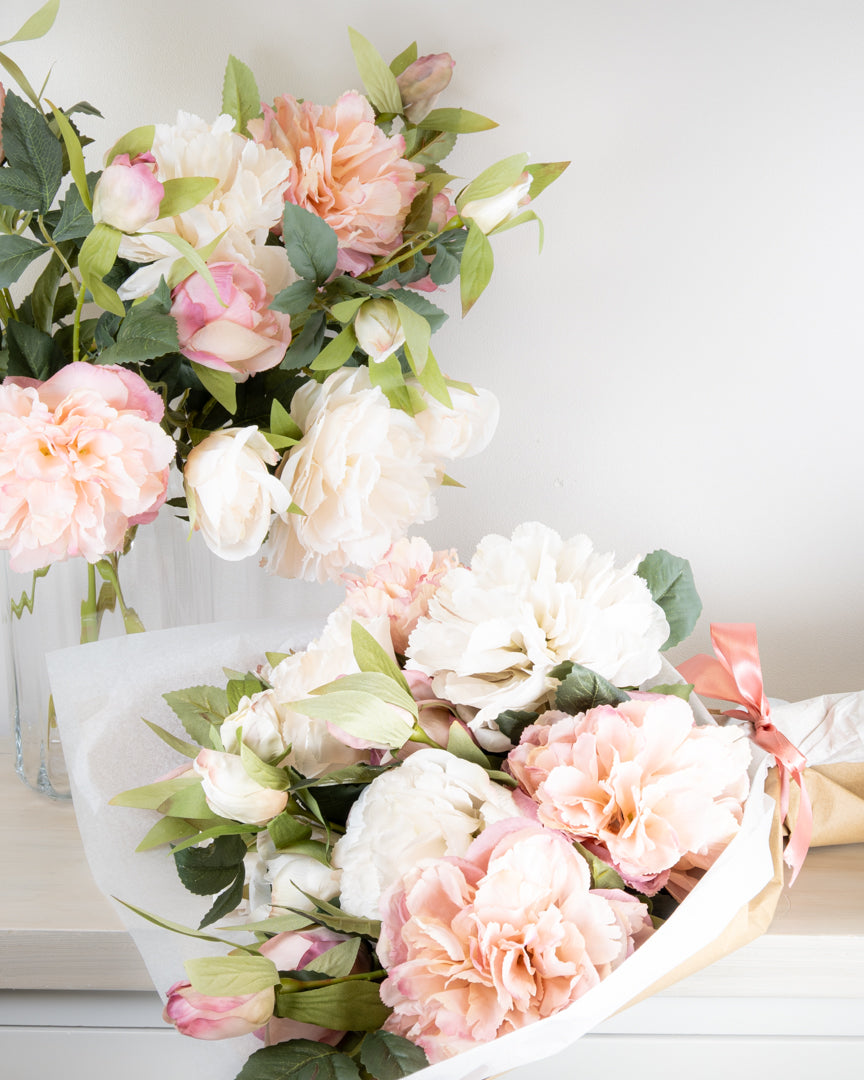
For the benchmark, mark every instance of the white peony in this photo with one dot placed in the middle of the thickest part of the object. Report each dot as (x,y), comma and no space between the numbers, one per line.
(460,432)
(231,492)
(496,630)
(244,206)
(360,474)
(433,805)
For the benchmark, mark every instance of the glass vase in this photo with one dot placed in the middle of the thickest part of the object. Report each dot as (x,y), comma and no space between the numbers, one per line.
(166,578)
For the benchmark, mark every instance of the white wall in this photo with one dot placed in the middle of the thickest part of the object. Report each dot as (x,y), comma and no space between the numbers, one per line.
(682,366)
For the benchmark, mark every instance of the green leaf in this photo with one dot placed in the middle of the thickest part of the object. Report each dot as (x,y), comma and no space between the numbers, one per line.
(584,689)
(461,121)
(231,976)
(37,25)
(34,155)
(375,683)
(197,708)
(208,870)
(97,256)
(418,303)
(165,831)
(184,193)
(183,267)
(186,749)
(137,141)
(32,353)
(282,424)
(189,803)
(19,77)
(303,349)
(351,1006)
(286,830)
(670,580)
(417,335)
(266,776)
(299,1059)
(75,154)
(363,715)
(76,221)
(16,253)
(520,219)
(372,656)
(461,745)
(196,259)
(476,269)
(390,1057)
(494,180)
(338,961)
(379,80)
(603,876)
(240,97)
(219,384)
(336,351)
(243,686)
(296,298)
(543,174)
(336,919)
(155,796)
(387,375)
(144,334)
(347,309)
(224,828)
(310,243)
(20,190)
(682,690)
(512,722)
(436,149)
(177,928)
(227,901)
(433,382)
(404,59)
(276,924)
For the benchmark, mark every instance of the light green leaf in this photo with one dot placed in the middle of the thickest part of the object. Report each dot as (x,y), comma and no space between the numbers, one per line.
(182,268)
(37,25)
(20,78)
(682,690)
(363,715)
(379,80)
(603,876)
(281,422)
(462,121)
(336,351)
(404,59)
(155,796)
(16,254)
(390,1057)
(477,265)
(185,748)
(76,155)
(226,828)
(137,141)
(231,976)
(178,928)
(199,708)
(97,256)
(494,180)
(193,257)
(670,580)
(376,683)
(347,309)
(387,375)
(372,656)
(220,384)
(352,1006)
(277,924)
(543,174)
(448,481)
(417,335)
(240,97)
(432,380)
(184,193)
(165,831)
(520,219)
(461,745)
(189,803)
(286,830)
(338,961)
(267,776)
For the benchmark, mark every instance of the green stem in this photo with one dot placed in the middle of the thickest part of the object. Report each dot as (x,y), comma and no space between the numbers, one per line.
(49,240)
(7,308)
(108,569)
(294,986)
(456,223)
(419,735)
(89,613)
(76,326)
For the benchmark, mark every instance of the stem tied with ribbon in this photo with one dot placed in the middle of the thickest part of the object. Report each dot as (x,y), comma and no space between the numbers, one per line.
(736,675)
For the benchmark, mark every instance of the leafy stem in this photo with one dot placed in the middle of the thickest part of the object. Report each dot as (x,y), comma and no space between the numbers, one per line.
(425,240)
(76,325)
(49,240)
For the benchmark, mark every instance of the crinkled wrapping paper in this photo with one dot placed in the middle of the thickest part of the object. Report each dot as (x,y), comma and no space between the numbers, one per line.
(101,692)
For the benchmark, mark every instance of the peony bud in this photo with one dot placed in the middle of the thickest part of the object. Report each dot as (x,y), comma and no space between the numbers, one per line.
(203,1017)
(421,83)
(128,194)
(379,329)
(494,210)
(232,793)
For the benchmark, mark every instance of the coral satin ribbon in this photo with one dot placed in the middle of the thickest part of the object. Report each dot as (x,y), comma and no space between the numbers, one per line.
(736,675)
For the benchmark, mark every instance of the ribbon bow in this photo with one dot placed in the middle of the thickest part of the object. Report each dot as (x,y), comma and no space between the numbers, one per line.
(736,675)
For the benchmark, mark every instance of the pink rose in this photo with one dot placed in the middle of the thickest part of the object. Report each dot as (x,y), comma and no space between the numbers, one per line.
(421,83)
(203,1017)
(346,170)
(639,784)
(128,195)
(400,586)
(243,336)
(508,935)
(82,457)
(294,951)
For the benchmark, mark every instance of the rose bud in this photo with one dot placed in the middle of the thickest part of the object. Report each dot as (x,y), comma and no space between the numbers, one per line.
(379,329)
(203,1017)
(421,83)
(494,210)
(128,194)
(232,793)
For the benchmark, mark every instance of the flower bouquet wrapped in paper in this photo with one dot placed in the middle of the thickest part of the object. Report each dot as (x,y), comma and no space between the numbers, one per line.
(450,833)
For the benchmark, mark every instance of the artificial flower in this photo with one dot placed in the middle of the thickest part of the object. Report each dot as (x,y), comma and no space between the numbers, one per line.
(494,210)
(232,793)
(461,430)
(257,724)
(421,83)
(127,194)
(379,329)
(203,1017)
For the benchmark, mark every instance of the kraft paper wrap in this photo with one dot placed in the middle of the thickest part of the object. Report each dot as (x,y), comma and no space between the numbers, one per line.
(837,795)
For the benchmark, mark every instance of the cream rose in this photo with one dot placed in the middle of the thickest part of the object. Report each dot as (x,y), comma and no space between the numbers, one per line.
(460,432)
(232,793)
(256,721)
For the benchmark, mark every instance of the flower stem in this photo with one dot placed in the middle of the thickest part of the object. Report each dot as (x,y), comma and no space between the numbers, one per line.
(76,326)
(108,569)
(49,240)
(454,223)
(89,612)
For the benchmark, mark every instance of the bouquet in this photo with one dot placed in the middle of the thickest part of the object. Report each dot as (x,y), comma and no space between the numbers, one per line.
(248,302)
(453,815)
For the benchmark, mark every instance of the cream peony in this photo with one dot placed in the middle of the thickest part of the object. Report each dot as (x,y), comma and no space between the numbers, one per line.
(360,474)
(231,493)
(496,630)
(345,170)
(640,783)
(433,805)
(505,936)
(242,209)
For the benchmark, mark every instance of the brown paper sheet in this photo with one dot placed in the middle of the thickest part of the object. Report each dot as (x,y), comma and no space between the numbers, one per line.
(837,795)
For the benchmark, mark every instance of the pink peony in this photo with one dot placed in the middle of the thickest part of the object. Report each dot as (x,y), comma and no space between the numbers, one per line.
(400,586)
(82,457)
(640,784)
(241,335)
(203,1017)
(346,170)
(508,935)
(128,194)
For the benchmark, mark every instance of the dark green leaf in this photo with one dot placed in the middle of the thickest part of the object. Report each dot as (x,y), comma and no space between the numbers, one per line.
(197,708)
(295,298)
(32,353)
(310,243)
(16,254)
(32,151)
(299,1059)
(390,1057)
(417,302)
(19,189)
(305,348)
(584,689)
(208,870)
(435,149)
(445,266)
(227,900)
(44,295)
(512,722)
(143,335)
(670,580)
(345,1006)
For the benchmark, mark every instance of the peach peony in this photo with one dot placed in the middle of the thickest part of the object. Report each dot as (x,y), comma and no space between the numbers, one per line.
(345,170)
(82,457)
(640,784)
(400,586)
(508,935)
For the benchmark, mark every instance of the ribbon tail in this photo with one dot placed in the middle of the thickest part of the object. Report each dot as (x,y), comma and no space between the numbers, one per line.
(799,838)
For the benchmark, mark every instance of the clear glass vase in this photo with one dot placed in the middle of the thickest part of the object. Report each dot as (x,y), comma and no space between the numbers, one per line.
(166,578)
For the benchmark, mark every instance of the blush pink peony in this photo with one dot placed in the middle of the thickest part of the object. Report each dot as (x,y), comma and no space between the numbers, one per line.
(508,935)
(345,170)
(400,586)
(639,784)
(240,335)
(82,457)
